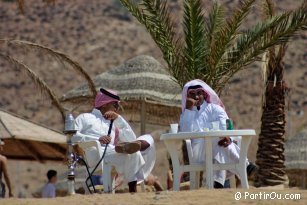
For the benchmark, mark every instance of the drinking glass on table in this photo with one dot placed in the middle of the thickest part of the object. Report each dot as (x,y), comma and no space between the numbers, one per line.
(215,125)
(174,128)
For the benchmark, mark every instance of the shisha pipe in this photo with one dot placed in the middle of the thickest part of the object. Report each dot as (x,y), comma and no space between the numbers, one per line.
(69,131)
(102,157)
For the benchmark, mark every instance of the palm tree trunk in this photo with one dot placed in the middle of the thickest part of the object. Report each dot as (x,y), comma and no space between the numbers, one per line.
(270,153)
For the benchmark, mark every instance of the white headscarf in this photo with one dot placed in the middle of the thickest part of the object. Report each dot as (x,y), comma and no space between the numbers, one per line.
(212,96)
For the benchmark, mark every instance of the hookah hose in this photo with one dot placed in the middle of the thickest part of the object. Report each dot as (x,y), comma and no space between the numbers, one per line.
(104,153)
(89,174)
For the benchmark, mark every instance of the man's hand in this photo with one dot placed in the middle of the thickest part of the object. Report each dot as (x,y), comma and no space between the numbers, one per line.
(110,115)
(105,139)
(190,103)
(225,142)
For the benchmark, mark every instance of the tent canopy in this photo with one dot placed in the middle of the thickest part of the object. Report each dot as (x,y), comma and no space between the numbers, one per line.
(28,140)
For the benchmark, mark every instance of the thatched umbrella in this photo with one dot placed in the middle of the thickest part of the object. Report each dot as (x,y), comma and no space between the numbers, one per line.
(296,159)
(27,140)
(144,85)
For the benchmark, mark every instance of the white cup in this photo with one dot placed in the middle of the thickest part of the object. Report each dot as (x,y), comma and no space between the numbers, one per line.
(215,125)
(174,128)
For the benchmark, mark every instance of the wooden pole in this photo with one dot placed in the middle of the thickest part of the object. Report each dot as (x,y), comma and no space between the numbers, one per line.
(143,116)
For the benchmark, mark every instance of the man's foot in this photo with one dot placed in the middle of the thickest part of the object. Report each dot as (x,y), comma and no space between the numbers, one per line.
(218,185)
(128,147)
(132,186)
(251,170)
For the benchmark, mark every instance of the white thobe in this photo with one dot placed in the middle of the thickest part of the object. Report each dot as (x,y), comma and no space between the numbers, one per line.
(134,167)
(196,120)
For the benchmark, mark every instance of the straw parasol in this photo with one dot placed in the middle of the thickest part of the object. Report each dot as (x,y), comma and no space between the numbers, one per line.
(296,158)
(27,140)
(148,92)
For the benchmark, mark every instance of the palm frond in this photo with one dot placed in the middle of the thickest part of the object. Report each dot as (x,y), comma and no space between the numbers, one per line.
(40,83)
(61,57)
(268,9)
(213,26)
(264,68)
(155,16)
(194,30)
(275,31)
(275,71)
(158,17)
(229,31)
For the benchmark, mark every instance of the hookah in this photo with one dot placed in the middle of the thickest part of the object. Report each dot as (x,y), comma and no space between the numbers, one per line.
(69,131)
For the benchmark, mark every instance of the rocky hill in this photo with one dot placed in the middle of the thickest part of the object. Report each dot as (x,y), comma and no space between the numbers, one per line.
(101,35)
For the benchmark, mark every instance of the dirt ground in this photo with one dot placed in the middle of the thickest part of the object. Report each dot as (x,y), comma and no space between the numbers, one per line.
(204,196)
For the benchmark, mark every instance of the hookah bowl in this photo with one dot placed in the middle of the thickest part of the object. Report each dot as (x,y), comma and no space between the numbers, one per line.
(69,131)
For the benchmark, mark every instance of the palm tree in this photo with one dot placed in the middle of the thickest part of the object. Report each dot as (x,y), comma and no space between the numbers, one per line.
(41,84)
(213,49)
(270,153)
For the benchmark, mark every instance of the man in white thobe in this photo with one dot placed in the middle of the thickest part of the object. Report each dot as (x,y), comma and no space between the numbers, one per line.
(133,158)
(200,107)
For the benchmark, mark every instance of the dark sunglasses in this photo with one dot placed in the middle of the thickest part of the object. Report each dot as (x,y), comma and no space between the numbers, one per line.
(197,91)
(115,105)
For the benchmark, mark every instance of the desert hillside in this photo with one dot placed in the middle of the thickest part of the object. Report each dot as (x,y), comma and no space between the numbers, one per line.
(101,35)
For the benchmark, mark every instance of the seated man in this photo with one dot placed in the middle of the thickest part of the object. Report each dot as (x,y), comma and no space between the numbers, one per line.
(133,158)
(200,107)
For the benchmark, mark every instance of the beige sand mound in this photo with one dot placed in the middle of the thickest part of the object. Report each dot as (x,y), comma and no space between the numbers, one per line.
(169,198)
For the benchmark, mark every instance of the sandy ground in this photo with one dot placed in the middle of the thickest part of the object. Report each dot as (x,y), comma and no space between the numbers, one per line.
(202,196)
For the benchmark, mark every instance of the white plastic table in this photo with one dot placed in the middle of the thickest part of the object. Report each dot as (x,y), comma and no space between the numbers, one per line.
(171,141)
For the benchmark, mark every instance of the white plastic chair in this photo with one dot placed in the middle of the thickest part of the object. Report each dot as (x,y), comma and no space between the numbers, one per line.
(197,167)
(193,168)
(92,154)
(195,174)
